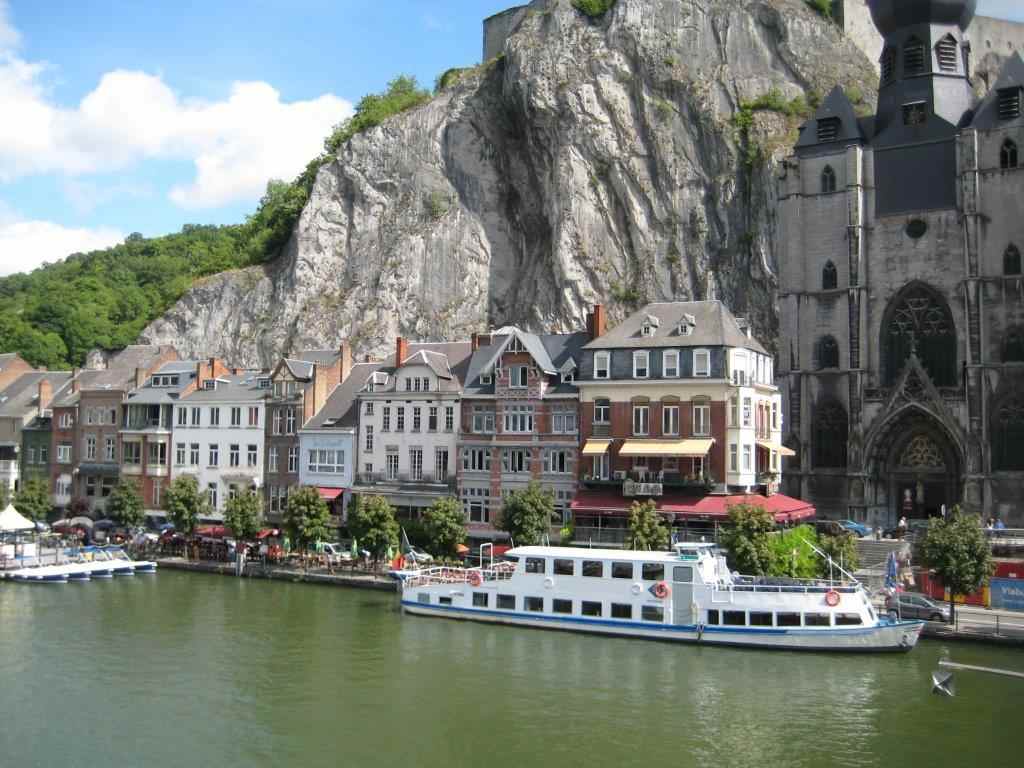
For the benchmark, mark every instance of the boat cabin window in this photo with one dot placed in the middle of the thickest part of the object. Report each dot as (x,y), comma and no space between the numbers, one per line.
(682,574)
(622,570)
(444,600)
(734,618)
(535,564)
(594,568)
(652,613)
(712,618)
(534,604)
(507,602)
(564,567)
(588,608)
(758,619)
(848,619)
(816,620)
(480,599)
(787,619)
(653,571)
(622,610)
(561,606)
(423,597)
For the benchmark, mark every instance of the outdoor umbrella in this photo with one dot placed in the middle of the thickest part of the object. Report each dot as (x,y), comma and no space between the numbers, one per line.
(104,524)
(166,527)
(81,522)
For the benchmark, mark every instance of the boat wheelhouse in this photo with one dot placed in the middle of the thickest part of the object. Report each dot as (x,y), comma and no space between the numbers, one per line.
(686,595)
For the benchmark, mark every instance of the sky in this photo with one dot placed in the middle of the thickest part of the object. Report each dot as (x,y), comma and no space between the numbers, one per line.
(119,116)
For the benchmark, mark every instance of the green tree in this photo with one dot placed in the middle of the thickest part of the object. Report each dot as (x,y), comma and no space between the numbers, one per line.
(244,516)
(125,504)
(792,555)
(306,517)
(595,9)
(33,499)
(647,528)
(748,539)
(958,551)
(843,551)
(185,503)
(527,514)
(371,520)
(402,93)
(445,525)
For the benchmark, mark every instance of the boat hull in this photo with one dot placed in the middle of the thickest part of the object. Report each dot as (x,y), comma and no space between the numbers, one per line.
(892,637)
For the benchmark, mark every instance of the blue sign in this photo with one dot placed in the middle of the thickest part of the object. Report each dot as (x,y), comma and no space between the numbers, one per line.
(1007,594)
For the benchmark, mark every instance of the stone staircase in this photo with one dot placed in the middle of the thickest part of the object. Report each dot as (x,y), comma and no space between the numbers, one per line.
(873,556)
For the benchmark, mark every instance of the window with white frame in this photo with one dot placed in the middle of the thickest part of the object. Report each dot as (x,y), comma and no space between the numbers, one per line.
(600,467)
(733,457)
(515,460)
(193,454)
(602,365)
(234,455)
(133,453)
(213,455)
(517,419)
(640,364)
(278,420)
(476,459)
(449,418)
(701,362)
(747,412)
(391,465)
(289,421)
(251,455)
(66,421)
(775,415)
(558,461)
(211,495)
(670,363)
(215,417)
(368,444)
(179,454)
(385,419)
(483,420)
(739,370)
(563,420)
(670,419)
(476,504)
(195,416)
(440,465)
(641,419)
(236,417)
(64,453)
(326,461)
(748,453)
(254,416)
(432,418)
(110,449)
(416,464)
(416,418)
(90,448)
(272,458)
(602,411)
(701,420)
(518,376)
(734,412)
(369,408)
(400,418)
(293,458)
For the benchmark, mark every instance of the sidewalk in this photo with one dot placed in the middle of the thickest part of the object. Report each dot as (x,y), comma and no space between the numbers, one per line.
(984,625)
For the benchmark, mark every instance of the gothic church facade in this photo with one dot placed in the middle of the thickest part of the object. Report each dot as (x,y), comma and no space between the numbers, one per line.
(900,284)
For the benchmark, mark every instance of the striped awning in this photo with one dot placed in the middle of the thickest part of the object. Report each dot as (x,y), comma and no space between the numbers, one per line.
(781,449)
(596,447)
(694,447)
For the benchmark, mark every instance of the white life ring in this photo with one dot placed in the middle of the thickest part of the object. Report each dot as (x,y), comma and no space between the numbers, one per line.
(636,589)
(832,598)
(549,583)
(475,579)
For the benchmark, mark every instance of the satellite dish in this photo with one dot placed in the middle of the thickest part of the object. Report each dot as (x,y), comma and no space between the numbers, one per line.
(943,683)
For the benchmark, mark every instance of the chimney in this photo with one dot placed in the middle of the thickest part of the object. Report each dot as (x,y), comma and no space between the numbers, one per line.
(45,395)
(367,358)
(74,380)
(481,340)
(401,350)
(140,377)
(598,323)
(344,360)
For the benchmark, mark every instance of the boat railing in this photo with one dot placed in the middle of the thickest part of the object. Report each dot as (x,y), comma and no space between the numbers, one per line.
(451,575)
(783,584)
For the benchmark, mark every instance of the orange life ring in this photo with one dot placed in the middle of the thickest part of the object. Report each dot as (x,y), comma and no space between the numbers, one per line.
(475,579)
(661,590)
(832,598)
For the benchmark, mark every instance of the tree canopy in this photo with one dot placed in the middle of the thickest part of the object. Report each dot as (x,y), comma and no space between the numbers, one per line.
(185,503)
(243,514)
(747,537)
(647,528)
(402,93)
(445,526)
(371,520)
(527,514)
(33,499)
(306,517)
(125,503)
(958,551)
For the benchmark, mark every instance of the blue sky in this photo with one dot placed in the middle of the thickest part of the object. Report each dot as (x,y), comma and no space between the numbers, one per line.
(116,119)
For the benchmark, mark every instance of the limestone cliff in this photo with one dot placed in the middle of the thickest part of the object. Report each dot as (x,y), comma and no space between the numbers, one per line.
(596,160)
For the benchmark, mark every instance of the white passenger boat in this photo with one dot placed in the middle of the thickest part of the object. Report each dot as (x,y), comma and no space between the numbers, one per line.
(686,595)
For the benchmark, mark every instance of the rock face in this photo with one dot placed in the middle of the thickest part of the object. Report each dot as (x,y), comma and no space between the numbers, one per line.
(595,161)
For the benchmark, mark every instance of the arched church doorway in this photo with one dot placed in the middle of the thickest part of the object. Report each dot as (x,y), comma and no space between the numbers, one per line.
(923,468)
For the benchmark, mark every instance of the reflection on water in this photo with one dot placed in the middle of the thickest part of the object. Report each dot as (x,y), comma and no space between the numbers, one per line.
(190,670)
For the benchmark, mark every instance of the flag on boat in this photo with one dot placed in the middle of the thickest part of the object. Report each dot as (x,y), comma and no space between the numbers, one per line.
(406,547)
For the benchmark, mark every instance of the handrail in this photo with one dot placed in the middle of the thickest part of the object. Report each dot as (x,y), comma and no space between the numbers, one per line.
(451,575)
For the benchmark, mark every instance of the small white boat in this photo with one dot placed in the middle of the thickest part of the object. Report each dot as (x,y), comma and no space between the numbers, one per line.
(687,595)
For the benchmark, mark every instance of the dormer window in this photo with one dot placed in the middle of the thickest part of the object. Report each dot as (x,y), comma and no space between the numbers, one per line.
(913,57)
(210,384)
(515,345)
(263,383)
(651,324)
(686,324)
(828,129)
(646,330)
(1009,103)
(485,378)
(568,377)
(945,54)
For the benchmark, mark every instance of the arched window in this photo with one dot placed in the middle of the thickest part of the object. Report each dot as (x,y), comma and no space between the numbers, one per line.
(828,180)
(1008,434)
(829,277)
(945,53)
(918,321)
(828,352)
(1008,155)
(888,63)
(1011,260)
(1013,344)
(830,433)
(913,57)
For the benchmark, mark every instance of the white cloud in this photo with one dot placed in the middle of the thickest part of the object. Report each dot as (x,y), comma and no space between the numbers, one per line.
(236,144)
(9,37)
(25,245)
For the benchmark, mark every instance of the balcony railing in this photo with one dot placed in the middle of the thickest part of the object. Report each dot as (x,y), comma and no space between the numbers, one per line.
(667,480)
(383,478)
(633,488)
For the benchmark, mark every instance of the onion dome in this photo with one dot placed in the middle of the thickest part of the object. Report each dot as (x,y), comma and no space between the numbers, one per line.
(892,15)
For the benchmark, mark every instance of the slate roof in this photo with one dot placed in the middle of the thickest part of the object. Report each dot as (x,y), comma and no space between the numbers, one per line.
(835,105)
(341,410)
(986,115)
(299,369)
(322,356)
(449,360)
(22,394)
(715,326)
(232,388)
(555,350)
(150,395)
(137,356)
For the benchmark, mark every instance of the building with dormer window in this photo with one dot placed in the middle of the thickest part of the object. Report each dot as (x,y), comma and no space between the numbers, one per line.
(409,412)
(678,404)
(520,422)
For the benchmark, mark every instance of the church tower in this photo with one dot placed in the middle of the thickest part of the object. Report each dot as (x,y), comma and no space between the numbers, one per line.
(900,289)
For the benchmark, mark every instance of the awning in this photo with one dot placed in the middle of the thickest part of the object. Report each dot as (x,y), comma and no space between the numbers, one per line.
(330,494)
(690,507)
(781,449)
(596,447)
(694,447)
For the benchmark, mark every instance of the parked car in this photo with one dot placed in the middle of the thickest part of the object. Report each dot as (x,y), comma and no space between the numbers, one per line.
(418,556)
(856,528)
(830,528)
(335,554)
(913,605)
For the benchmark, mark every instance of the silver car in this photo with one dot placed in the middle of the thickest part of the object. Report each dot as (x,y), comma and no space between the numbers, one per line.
(912,605)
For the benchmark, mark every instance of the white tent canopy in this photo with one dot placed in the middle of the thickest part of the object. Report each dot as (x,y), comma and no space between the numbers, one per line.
(12,520)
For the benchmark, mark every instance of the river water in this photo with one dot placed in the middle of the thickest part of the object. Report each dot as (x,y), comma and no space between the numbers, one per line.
(190,670)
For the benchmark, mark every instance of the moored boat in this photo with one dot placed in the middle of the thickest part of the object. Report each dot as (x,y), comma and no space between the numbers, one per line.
(687,595)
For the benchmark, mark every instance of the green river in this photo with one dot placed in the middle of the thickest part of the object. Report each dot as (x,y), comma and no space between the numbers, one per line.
(185,670)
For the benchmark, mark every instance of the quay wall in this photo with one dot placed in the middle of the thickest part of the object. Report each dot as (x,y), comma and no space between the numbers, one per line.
(255,570)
